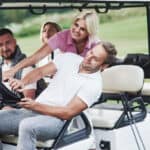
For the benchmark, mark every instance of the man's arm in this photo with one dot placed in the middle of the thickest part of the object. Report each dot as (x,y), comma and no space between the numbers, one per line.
(33,76)
(63,112)
(29,61)
(29,90)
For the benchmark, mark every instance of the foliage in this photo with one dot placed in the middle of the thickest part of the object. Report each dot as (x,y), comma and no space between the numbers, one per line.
(28,30)
(113,15)
(17,16)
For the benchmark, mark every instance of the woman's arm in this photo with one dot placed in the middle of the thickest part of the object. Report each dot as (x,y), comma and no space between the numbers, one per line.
(33,76)
(29,61)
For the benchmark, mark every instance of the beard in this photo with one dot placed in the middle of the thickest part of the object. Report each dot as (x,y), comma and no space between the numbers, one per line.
(8,54)
(89,68)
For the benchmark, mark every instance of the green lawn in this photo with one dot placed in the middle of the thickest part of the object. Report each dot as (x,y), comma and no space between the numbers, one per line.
(129,35)
(29,44)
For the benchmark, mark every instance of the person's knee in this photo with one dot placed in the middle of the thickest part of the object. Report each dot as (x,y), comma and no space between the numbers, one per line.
(25,127)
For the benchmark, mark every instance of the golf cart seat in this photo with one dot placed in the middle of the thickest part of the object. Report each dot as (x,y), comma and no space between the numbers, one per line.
(146,92)
(120,80)
(142,60)
(79,128)
(104,118)
(11,139)
(146,89)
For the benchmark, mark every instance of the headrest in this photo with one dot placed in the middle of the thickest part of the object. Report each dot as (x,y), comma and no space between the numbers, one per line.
(123,78)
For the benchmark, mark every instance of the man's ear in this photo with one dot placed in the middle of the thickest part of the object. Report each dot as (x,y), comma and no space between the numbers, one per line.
(15,41)
(103,66)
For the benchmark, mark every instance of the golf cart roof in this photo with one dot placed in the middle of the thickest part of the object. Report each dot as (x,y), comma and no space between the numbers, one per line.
(101,6)
(79,4)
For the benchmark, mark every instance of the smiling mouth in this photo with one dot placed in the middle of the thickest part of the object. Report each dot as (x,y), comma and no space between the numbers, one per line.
(76,35)
(7,53)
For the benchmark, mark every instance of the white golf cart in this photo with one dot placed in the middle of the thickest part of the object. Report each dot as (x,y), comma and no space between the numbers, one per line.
(99,128)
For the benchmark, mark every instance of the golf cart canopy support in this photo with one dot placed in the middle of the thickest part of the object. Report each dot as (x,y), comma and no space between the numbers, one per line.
(77,4)
(101,6)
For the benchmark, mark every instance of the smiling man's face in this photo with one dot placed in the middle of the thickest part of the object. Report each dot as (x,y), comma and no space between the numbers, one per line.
(7,46)
(94,58)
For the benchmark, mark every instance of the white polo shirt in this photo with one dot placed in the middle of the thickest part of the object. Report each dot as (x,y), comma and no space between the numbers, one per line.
(45,61)
(68,83)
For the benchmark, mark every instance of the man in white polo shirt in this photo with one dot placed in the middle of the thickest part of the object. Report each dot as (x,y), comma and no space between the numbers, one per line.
(76,85)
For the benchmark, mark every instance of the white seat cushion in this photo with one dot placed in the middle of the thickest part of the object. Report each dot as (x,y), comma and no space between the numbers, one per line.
(104,118)
(123,78)
(110,92)
(146,89)
(13,140)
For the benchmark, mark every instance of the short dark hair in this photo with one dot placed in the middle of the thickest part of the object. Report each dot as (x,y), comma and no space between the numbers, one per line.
(4,31)
(111,51)
(55,25)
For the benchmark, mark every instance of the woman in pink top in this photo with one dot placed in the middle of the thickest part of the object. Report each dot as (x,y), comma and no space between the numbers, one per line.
(82,36)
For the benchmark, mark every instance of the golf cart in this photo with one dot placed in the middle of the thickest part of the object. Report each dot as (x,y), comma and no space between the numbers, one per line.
(101,128)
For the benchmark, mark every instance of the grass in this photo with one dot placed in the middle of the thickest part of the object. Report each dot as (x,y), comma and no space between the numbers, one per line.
(129,36)
(29,44)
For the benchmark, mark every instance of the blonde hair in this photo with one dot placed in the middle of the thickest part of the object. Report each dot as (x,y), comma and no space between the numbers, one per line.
(92,23)
(55,25)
